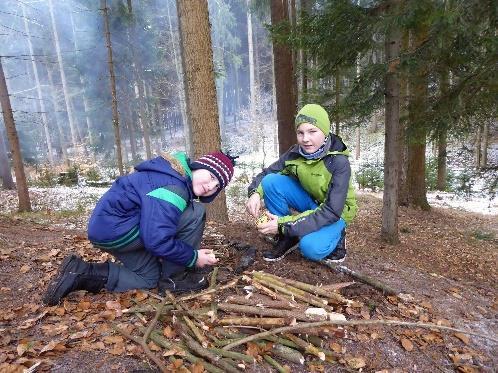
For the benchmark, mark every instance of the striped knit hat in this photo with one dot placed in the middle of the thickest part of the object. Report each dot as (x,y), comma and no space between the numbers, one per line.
(220,165)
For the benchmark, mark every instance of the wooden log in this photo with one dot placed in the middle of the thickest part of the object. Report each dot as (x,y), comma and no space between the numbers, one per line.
(157,337)
(261,301)
(271,312)
(253,321)
(267,291)
(201,351)
(376,284)
(232,355)
(197,333)
(297,293)
(315,290)
(289,354)
(275,364)
(306,346)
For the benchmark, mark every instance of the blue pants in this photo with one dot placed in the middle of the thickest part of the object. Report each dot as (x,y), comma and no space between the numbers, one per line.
(139,269)
(282,193)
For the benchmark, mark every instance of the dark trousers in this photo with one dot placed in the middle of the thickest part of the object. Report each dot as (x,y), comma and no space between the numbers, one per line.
(137,268)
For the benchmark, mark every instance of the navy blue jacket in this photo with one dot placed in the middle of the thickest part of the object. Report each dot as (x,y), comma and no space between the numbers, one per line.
(146,205)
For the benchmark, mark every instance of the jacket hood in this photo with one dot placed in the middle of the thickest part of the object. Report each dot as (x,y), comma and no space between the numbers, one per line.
(334,144)
(171,165)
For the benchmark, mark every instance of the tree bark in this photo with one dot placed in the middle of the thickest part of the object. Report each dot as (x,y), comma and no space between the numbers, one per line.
(115,115)
(485,143)
(15,148)
(403,151)
(417,188)
(5,173)
(477,147)
(187,133)
(38,89)
(389,230)
(65,88)
(284,82)
(202,109)
(252,87)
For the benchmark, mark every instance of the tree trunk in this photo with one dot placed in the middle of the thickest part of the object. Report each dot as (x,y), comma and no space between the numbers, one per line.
(187,134)
(252,87)
(86,106)
(65,88)
(198,67)
(417,188)
(441,160)
(357,150)
(477,147)
(5,173)
(389,230)
(284,82)
(131,133)
(403,151)
(115,115)
(337,102)
(38,89)
(57,110)
(15,148)
(485,143)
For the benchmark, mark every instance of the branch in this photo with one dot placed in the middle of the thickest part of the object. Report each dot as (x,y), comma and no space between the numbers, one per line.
(285,329)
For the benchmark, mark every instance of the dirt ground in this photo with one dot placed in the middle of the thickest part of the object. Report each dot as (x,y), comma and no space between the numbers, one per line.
(445,269)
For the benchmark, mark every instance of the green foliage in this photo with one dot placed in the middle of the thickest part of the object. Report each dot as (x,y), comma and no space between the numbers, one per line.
(483,236)
(69,177)
(431,175)
(46,178)
(93,175)
(370,175)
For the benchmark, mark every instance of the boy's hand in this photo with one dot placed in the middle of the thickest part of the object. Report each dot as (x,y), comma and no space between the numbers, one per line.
(269,227)
(205,257)
(253,205)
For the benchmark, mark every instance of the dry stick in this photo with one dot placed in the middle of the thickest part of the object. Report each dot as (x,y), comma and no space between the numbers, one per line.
(144,346)
(275,364)
(157,337)
(198,334)
(376,284)
(297,293)
(293,328)
(316,290)
(143,342)
(260,302)
(306,346)
(199,350)
(212,279)
(250,321)
(272,312)
(288,354)
(269,292)
(232,355)
(209,291)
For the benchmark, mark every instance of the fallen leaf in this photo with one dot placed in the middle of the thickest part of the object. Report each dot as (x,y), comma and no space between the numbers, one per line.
(25,268)
(407,344)
(356,362)
(53,345)
(110,339)
(22,348)
(168,332)
(114,305)
(336,347)
(198,367)
(463,337)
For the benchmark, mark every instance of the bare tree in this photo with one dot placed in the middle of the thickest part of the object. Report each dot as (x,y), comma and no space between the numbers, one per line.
(15,148)
(115,115)
(38,88)
(5,174)
(198,67)
(65,88)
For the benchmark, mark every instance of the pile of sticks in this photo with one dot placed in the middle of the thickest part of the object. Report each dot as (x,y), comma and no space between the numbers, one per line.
(272,317)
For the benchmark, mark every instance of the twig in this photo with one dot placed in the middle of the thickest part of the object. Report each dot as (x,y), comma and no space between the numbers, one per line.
(376,284)
(306,346)
(153,322)
(285,329)
(208,291)
(144,346)
(212,279)
(275,364)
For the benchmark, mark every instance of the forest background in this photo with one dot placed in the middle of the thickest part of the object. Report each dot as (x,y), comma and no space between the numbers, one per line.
(91,88)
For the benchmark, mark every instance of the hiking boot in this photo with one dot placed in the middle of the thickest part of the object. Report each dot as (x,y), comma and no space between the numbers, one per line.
(339,253)
(182,282)
(75,274)
(284,246)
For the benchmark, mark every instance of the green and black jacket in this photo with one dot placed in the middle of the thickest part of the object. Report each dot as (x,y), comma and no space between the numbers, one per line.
(328,181)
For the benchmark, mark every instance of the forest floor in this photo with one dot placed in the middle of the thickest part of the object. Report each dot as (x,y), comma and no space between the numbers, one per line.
(445,267)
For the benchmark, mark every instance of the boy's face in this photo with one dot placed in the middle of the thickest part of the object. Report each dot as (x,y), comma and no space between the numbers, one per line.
(204,183)
(309,137)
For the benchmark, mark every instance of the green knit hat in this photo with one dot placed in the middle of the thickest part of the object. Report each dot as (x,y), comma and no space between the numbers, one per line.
(315,115)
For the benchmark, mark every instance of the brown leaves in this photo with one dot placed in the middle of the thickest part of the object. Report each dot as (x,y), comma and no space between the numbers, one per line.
(407,344)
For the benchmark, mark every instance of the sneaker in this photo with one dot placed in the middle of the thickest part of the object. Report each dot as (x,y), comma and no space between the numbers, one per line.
(284,246)
(182,282)
(339,254)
